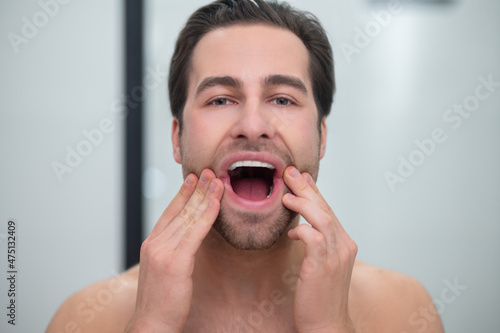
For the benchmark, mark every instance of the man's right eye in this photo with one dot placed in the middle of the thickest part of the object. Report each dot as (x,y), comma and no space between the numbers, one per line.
(221,102)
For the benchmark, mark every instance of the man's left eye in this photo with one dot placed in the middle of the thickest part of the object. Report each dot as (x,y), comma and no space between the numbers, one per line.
(281,101)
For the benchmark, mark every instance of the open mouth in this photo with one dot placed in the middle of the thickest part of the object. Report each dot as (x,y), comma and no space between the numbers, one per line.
(252,180)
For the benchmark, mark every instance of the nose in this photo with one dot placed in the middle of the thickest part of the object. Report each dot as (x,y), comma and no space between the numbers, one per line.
(254,123)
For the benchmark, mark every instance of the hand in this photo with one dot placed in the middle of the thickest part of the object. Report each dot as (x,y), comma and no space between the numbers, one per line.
(167,256)
(322,291)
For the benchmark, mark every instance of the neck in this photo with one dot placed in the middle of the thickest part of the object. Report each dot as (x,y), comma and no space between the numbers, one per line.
(227,274)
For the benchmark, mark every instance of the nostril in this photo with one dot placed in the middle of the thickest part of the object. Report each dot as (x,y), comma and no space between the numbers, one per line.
(262,136)
(253,124)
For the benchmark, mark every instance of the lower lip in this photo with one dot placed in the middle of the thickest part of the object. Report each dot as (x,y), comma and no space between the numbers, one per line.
(269,203)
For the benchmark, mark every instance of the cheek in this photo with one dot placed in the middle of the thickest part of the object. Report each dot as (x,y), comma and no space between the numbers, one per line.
(201,137)
(303,140)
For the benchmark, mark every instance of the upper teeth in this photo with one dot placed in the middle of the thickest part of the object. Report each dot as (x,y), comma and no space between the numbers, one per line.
(250,164)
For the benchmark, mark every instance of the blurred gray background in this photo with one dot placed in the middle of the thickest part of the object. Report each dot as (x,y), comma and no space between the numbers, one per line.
(407,73)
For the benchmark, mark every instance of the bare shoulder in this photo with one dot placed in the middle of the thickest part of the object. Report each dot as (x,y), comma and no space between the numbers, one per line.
(386,301)
(105,306)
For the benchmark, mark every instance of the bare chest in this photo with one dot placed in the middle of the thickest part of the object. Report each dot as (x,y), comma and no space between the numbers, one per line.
(229,321)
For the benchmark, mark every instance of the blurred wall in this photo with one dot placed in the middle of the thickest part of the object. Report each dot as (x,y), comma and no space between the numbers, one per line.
(413,151)
(61,73)
(428,209)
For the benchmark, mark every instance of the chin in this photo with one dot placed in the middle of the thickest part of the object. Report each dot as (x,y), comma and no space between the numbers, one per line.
(251,231)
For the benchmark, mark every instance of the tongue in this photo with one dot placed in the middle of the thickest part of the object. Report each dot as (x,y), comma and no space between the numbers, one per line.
(251,188)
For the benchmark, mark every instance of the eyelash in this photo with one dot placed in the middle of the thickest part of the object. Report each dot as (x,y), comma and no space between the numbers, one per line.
(212,101)
(289,100)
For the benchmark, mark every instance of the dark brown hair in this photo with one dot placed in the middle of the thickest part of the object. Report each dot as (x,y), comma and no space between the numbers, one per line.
(224,13)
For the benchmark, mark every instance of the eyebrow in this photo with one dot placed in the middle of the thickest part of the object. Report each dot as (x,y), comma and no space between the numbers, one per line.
(213,81)
(285,80)
(271,80)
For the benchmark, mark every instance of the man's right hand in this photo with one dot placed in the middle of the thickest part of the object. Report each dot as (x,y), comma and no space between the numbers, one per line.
(167,256)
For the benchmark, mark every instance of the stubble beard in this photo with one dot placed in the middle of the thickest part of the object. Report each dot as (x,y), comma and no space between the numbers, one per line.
(252,232)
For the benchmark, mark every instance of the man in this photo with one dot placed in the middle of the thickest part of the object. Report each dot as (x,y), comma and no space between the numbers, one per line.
(250,85)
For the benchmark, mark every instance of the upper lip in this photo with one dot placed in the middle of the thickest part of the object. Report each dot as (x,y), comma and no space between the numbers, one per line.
(227,161)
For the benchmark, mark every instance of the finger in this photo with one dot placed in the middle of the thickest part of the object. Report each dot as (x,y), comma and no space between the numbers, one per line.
(304,186)
(199,201)
(318,249)
(309,179)
(313,185)
(317,217)
(176,205)
(297,183)
(193,228)
(166,244)
(188,214)
(316,252)
(196,234)
(194,194)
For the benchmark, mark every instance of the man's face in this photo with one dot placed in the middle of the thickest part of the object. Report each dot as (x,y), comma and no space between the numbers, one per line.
(249,113)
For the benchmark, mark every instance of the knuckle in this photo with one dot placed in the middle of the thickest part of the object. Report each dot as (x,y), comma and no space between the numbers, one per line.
(185,191)
(303,185)
(199,193)
(208,214)
(155,259)
(320,254)
(184,213)
(148,250)
(353,247)
(302,230)
(324,221)
(160,260)
(344,254)
(326,208)
(320,239)
(190,220)
(145,247)
(150,254)
(310,265)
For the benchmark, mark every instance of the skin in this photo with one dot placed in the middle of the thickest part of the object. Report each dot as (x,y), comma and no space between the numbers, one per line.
(190,279)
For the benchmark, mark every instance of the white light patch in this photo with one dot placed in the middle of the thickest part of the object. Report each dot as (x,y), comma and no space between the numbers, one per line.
(154,183)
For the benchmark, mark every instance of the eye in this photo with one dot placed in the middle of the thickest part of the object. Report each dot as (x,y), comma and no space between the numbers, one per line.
(281,101)
(220,102)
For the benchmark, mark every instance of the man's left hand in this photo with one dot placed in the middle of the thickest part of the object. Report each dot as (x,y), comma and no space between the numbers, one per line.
(322,293)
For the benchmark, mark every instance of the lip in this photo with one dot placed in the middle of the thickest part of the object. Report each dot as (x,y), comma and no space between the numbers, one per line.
(269,203)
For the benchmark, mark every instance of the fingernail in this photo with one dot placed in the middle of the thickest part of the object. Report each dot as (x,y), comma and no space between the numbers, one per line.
(309,179)
(189,180)
(294,172)
(212,187)
(203,178)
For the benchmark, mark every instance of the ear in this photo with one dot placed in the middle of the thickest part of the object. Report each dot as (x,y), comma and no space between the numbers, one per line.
(175,140)
(323,138)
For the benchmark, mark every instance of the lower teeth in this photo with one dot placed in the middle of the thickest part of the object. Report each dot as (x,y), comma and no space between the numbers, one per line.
(270,191)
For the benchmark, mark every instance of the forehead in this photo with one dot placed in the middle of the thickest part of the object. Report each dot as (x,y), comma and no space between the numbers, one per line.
(249,53)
